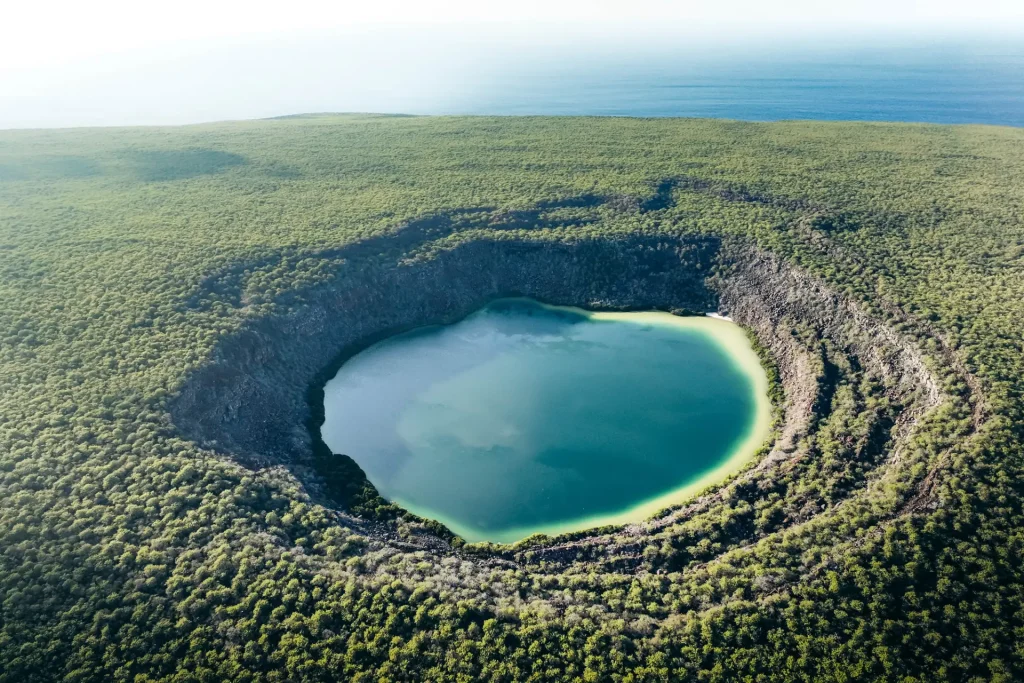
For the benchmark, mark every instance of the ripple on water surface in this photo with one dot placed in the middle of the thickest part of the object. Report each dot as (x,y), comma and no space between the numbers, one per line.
(526,418)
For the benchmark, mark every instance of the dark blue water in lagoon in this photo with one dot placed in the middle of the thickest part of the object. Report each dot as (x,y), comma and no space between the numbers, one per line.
(961,83)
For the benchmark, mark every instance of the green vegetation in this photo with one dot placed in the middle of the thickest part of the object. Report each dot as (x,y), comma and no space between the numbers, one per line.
(129,553)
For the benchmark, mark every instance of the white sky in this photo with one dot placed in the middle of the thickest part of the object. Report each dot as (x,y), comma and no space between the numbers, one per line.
(46,33)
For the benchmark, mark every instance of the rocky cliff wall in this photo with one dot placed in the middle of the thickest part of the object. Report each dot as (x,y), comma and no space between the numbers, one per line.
(259,395)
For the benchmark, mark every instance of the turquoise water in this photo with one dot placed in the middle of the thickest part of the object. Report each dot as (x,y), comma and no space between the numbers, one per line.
(525,418)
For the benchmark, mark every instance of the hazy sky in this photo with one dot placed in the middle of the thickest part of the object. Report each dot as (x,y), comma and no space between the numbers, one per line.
(76,62)
(49,32)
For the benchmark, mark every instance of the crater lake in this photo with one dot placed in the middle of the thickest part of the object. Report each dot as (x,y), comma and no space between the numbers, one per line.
(526,418)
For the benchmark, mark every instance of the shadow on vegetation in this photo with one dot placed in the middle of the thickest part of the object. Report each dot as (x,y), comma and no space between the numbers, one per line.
(662,197)
(166,164)
(9,172)
(228,285)
(49,168)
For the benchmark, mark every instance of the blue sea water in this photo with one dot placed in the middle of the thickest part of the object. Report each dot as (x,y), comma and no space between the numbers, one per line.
(888,78)
(966,83)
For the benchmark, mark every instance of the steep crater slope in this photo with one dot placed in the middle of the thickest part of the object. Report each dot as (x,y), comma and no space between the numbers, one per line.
(852,388)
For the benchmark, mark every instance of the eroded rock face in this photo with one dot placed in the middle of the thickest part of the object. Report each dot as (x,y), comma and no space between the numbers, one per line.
(251,400)
(261,392)
(772,299)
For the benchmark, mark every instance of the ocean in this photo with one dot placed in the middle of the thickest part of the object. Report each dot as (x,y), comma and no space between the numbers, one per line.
(887,79)
(965,83)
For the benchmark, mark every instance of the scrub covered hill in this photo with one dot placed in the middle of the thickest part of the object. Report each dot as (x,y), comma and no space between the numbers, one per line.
(131,552)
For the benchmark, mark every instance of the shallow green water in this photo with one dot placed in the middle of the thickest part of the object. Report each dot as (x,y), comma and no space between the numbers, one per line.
(528,418)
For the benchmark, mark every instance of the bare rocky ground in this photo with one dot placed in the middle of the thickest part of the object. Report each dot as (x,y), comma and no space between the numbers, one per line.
(258,399)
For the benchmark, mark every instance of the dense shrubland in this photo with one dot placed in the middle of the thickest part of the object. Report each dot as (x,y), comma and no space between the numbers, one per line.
(128,552)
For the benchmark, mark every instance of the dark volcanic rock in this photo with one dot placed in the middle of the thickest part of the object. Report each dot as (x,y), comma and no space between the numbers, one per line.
(251,401)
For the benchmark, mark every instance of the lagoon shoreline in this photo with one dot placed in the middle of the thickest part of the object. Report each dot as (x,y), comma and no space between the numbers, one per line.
(726,335)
